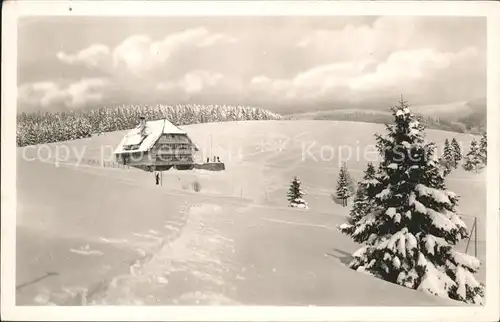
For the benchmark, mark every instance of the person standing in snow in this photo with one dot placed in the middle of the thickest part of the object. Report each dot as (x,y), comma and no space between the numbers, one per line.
(157,177)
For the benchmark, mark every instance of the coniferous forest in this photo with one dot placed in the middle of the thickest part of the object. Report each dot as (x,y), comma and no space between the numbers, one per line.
(48,127)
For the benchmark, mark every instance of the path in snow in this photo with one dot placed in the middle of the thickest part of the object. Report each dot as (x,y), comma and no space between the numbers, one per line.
(188,270)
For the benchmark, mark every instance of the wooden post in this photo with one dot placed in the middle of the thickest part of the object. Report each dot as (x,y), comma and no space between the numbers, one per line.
(475,236)
(470,235)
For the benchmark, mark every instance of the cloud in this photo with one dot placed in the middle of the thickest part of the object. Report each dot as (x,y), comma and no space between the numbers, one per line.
(95,56)
(203,84)
(195,82)
(403,71)
(273,63)
(49,95)
(139,54)
(403,67)
(416,73)
(215,39)
(392,33)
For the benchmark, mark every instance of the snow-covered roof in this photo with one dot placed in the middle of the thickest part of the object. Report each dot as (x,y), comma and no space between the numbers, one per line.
(147,138)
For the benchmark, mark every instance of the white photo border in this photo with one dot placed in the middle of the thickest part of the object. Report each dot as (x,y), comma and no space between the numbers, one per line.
(13,10)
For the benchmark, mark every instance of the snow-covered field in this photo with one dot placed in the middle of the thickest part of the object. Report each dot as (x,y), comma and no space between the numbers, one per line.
(98,235)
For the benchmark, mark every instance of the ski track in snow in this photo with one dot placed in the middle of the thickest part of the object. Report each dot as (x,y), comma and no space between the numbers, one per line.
(86,252)
(113,241)
(298,223)
(171,227)
(194,254)
(147,236)
(145,245)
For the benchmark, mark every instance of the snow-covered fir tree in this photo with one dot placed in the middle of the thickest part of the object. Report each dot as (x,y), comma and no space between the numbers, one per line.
(472,161)
(483,149)
(362,201)
(448,158)
(295,195)
(351,184)
(457,152)
(410,235)
(344,186)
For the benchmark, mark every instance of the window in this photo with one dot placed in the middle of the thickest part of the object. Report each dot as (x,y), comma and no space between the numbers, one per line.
(174,146)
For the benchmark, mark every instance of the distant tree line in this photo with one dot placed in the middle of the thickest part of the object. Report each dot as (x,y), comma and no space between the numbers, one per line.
(475,160)
(474,123)
(47,127)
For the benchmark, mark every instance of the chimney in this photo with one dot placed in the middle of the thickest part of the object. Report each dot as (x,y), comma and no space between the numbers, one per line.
(142,120)
(142,123)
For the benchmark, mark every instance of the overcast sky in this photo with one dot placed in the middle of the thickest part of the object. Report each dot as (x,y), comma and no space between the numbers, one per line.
(286,64)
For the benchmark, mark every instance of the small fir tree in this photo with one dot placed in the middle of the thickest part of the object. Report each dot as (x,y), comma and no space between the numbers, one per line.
(295,195)
(457,152)
(351,184)
(410,234)
(448,158)
(344,191)
(362,201)
(472,160)
(483,149)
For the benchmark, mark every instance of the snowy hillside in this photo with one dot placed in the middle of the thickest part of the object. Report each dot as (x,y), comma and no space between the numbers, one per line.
(112,234)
